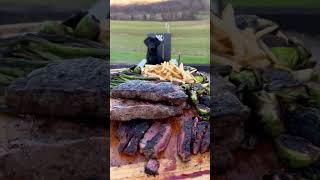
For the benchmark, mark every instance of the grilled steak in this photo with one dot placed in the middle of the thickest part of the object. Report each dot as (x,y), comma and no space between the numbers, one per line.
(74,88)
(125,110)
(185,139)
(151,91)
(152,167)
(155,140)
(205,144)
(130,134)
(199,134)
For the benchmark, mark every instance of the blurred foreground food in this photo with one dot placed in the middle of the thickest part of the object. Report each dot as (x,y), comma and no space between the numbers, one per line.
(271,88)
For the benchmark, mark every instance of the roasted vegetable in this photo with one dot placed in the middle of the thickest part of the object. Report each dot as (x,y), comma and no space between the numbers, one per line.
(53,27)
(203,110)
(88,28)
(305,122)
(286,56)
(267,111)
(296,94)
(296,152)
(276,78)
(246,79)
(314,92)
(305,75)
(194,97)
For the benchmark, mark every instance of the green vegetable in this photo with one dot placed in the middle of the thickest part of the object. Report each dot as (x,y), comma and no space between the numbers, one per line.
(53,27)
(203,110)
(287,56)
(199,78)
(267,110)
(314,92)
(137,70)
(88,28)
(194,97)
(296,152)
(246,79)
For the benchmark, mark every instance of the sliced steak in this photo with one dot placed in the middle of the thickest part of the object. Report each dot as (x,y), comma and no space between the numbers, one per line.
(151,91)
(184,140)
(155,140)
(130,134)
(205,144)
(201,129)
(152,167)
(125,110)
(74,88)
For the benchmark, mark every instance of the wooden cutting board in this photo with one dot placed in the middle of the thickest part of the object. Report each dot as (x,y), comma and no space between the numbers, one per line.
(171,167)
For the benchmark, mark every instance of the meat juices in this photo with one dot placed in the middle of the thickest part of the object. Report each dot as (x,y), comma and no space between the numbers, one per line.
(151,91)
(155,140)
(130,134)
(152,167)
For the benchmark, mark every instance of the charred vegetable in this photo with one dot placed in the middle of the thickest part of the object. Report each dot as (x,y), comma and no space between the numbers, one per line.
(267,110)
(246,79)
(203,110)
(296,152)
(305,122)
(88,28)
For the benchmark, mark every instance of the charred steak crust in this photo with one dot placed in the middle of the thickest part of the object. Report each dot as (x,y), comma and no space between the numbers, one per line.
(185,139)
(151,91)
(201,130)
(75,88)
(153,143)
(152,167)
(205,144)
(131,134)
(125,110)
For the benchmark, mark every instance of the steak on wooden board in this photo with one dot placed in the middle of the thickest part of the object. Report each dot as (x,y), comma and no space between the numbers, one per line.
(126,110)
(184,140)
(194,137)
(165,92)
(152,167)
(130,134)
(155,140)
(200,144)
(72,88)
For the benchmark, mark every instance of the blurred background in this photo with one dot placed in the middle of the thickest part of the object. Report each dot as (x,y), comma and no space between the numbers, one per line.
(20,11)
(132,20)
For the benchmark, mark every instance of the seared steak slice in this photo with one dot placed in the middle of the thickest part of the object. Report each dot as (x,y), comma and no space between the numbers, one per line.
(205,144)
(155,140)
(125,110)
(201,129)
(130,134)
(151,91)
(184,140)
(152,167)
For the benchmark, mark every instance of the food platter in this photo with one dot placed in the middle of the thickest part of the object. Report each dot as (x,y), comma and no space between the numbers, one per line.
(124,166)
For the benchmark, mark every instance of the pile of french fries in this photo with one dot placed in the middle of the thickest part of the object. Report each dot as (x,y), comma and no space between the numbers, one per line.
(243,47)
(169,71)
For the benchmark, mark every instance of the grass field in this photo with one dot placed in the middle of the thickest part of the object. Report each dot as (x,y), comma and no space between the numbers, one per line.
(276,3)
(191,38)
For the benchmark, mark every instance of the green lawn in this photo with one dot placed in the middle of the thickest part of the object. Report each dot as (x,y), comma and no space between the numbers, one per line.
(191,38)
(276,3)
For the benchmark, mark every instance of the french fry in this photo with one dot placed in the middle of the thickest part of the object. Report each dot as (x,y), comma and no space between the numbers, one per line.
(170,72)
